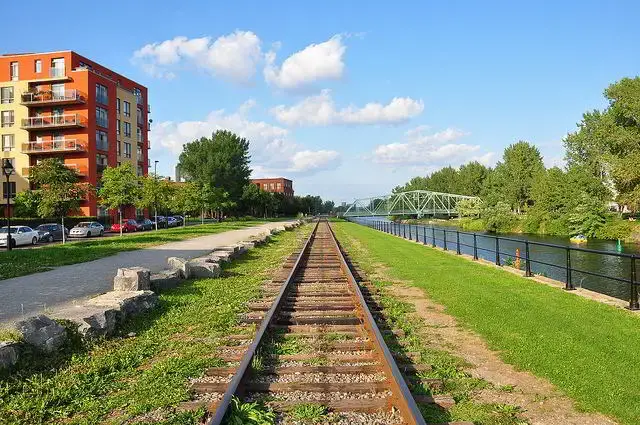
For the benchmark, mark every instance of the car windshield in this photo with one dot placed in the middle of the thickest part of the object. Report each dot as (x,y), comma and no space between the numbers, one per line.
(44,227)
(83,224)
(4,230)
(141,221)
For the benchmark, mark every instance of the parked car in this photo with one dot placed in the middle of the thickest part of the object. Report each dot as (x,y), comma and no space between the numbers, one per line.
(50,232)
(144,224)
(162,222)
(128,225)
(20,235)
(180,219)
(172,222)
(86,229)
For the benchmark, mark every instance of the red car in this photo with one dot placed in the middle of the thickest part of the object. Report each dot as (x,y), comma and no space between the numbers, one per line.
(128,225)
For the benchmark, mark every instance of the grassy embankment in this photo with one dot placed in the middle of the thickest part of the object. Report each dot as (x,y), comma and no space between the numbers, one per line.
(20,262)
(587,349)
(140,379)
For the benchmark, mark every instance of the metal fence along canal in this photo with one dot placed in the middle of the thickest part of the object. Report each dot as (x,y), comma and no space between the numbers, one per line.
(611,273)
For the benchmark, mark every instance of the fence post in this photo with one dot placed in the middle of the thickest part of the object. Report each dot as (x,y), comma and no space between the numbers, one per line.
(497,251)
(417,238)
(475,246)
(404,231)
(458,242)
(444,232)
(433,235)
(569,286)
(424,235)
(527,272)
(633,300)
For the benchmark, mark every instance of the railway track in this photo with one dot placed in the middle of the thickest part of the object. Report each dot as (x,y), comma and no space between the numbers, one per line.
(313,339)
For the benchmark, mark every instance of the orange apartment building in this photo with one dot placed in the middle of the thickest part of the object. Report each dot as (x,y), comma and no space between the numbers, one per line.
(276,185)
(61,104)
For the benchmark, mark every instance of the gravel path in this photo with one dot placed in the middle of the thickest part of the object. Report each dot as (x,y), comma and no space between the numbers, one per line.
(59,287)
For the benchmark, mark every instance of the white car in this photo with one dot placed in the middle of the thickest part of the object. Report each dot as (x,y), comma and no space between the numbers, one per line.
(86,229)
(20,235)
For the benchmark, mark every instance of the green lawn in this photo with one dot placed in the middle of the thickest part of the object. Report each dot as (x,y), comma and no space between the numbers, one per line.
(590,351)
(134,379)
(20,262)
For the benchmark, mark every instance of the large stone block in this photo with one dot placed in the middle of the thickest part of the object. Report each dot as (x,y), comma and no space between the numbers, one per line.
(221,256)
(42,332)
(92,321)
(248,244)
(204,267)
(180,264)
(166,279)
(132,279)
(128,303)
(9,354)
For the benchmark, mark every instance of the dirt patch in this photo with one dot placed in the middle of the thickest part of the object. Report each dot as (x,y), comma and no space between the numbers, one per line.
(542,403)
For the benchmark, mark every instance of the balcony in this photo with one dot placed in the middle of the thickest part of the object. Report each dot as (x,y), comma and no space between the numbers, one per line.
(48,97)
(54,74)
(82,170)
(54,121)
(54,146)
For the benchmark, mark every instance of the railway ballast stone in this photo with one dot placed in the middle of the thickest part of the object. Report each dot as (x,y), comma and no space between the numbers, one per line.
(166,279)
(205,267)
(42,332)
(180,264)
(132,279)
(8,354)
(127,303)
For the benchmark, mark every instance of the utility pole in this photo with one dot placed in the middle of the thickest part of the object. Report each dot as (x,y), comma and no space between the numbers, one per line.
(155,177)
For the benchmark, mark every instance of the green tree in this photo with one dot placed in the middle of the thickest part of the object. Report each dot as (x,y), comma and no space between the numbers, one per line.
(498,218)
(521,162)
(469,207)
(26,203)
(471,178)
(120,187)
(221,161)
(588,216)
(59,188)
(154,194)
(185,199)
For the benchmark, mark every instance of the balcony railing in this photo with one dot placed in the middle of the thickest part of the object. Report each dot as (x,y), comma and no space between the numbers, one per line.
(54,74)
(82,170)
(54,146)
(48,97)
(51,121)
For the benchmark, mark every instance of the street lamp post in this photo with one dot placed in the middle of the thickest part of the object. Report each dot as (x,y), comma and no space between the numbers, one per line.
(7,170)
(155,177)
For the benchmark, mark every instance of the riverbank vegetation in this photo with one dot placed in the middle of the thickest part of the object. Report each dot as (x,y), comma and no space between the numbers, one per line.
(143,374)
(583,347)
(595,194)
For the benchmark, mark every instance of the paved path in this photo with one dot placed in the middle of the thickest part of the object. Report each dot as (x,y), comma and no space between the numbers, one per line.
(56,288)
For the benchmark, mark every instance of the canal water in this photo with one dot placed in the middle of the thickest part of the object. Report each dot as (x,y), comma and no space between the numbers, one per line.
(547,261)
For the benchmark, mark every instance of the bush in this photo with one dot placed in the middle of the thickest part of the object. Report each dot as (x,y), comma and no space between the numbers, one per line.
(498,218)
(614,228)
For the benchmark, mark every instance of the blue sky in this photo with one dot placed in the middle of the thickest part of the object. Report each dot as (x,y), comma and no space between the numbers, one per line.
(351,98)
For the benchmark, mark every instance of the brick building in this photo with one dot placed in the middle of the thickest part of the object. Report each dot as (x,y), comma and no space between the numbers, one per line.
(61,104)
(276,185)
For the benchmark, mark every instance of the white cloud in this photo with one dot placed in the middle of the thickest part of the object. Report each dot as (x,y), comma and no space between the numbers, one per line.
(272,148)
(322,61)
(234,57)
(320,110)
(429,150)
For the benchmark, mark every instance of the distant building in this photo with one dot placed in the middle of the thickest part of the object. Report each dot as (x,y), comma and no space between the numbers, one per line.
(277,185)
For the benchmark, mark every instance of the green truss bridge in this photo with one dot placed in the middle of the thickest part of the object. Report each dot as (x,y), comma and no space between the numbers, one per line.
(416,202)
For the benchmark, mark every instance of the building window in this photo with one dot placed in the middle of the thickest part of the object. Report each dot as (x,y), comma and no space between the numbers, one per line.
(127,150)
(38,66)
(127,129)
(118,105)
(101,117)
(7,118)
(127,109)
(101,94)
(6,95)
(139,116)
(140,171)
(118,150)
(12,189)
(101,163)
(57,91)
(118,127)
(139,152)
(139,134)
(8,142)
(102,212)
(14,71)
(279,185)
(57,67)
(138,94)
(102,142)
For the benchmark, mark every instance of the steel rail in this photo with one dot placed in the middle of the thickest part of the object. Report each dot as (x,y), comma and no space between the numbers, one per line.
(241,373)
(400,391)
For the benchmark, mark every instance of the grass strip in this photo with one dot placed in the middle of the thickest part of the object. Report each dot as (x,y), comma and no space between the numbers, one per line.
(20,262)
(587,349)
(140,376)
